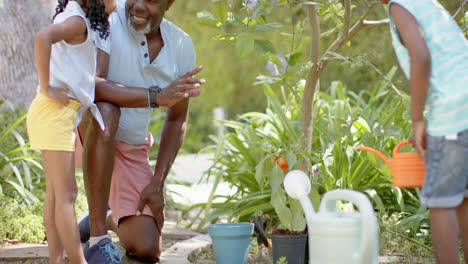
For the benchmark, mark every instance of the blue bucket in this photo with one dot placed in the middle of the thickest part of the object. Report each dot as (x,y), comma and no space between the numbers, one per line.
(231,242)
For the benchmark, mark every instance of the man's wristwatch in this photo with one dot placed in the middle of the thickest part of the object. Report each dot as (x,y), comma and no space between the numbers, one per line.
(152,92)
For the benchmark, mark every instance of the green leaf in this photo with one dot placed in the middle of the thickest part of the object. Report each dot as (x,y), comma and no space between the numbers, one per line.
(276,178)
(262,8)
(337,90)
(245,44)
(361,125)
(292,59)
(399,198)
(376,199)
(264,46)
(12,127)
(212,194)
(219,148)
(266,27)
(226,37)
(291,158)
(260,171)
(312,3)
(275,60)
(314,197)
(278,200)
(206,18)
(337,55)
(243,150)
(298,223)
(221,12)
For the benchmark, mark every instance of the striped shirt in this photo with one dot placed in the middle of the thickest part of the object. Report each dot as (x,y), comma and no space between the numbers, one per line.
(447,99)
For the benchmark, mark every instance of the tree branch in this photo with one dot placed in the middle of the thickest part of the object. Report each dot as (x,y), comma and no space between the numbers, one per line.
(358,26)
(312,82)
(378,23)
(345,36)
(461,8)
(314,22)
(346,19)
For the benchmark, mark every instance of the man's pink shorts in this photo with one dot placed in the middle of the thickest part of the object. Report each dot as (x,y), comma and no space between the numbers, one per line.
(132,173)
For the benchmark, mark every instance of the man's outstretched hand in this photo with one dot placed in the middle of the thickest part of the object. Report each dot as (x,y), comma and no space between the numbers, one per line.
(180,89)
(154,197)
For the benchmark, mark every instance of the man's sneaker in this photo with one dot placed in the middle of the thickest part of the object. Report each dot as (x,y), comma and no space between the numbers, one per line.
(83,227)
(104,252)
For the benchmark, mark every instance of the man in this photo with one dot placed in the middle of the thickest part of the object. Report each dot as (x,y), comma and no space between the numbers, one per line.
(143,50)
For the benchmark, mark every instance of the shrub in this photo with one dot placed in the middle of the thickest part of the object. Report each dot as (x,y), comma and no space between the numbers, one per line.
(21,174)
(21,221)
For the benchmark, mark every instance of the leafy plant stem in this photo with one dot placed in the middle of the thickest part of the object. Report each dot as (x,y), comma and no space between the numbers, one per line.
(411,240)
(400,97)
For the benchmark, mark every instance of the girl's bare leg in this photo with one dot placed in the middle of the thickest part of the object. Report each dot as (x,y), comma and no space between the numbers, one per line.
(56,253)
(59,167)
(445,234)
(462,214)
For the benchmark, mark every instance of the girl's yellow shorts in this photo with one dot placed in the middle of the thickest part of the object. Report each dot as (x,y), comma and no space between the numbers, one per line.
(51,126)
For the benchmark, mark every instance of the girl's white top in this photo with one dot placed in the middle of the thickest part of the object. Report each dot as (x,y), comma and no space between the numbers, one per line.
(74,66)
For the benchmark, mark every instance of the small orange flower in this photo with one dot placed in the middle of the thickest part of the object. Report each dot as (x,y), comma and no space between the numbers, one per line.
(283,164)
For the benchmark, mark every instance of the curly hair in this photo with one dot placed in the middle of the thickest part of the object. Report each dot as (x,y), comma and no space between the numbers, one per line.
(95,12)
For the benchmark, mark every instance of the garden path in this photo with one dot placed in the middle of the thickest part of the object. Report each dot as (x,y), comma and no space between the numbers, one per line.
(178,242)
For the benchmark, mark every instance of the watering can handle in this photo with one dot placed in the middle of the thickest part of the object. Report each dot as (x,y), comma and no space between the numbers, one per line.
(368,219)
(396,149)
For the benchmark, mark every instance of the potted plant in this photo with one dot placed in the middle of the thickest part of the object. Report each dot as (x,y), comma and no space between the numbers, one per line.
(253,156)
(288,235)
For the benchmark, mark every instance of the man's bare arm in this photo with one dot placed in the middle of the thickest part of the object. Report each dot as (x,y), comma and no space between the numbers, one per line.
(171,139)
(137,97)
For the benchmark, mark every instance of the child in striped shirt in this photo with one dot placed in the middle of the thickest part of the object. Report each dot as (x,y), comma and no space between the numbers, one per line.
(433,53)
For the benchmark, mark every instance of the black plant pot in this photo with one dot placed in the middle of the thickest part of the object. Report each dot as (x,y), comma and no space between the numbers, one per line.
(293,247)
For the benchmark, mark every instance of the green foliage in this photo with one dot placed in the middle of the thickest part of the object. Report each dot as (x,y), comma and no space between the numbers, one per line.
(81,202)
(464,23)
(22,182)
(285,26)
(20,170)
(374,118)
(242,158)
(413,244)
(282,260)
(21,221)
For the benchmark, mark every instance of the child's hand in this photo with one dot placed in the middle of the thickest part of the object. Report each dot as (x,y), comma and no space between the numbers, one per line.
(418,139)
(58,93)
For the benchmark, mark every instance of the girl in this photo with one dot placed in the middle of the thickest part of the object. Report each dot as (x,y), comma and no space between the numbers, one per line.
(66,63)
(433,53)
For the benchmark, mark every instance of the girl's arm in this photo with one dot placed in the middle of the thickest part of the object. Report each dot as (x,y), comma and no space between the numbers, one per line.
(420,72)
(73,31)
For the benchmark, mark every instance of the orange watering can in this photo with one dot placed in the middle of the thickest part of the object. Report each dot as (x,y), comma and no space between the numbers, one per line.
(406,167)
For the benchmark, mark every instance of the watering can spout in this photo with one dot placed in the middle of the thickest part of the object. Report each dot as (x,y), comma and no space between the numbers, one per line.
(387,160)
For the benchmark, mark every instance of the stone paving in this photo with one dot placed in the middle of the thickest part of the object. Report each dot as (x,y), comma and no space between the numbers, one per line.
(178,242)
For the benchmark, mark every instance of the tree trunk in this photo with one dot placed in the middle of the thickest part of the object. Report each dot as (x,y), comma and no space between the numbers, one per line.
(20,20)
(312,82)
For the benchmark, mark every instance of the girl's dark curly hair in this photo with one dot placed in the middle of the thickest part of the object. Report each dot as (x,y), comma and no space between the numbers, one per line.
(96,14)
